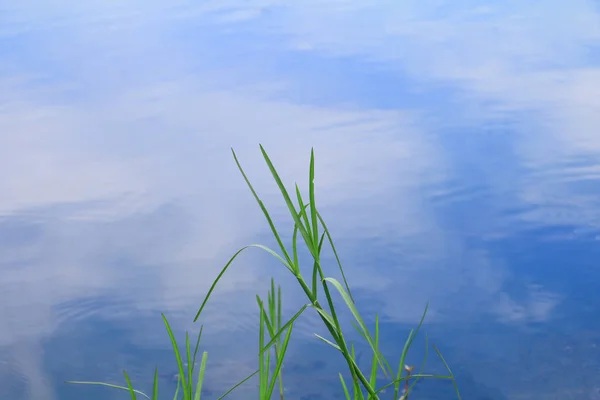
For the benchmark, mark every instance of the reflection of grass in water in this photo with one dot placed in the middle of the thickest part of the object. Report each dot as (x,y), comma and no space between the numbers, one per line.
(274,335)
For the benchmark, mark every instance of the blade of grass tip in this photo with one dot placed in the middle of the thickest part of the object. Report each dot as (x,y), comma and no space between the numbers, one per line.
(346,393)
(177,355)
(449,371)
(131,390)
(335,253)
(387,373)
(200,380)
(407,344)
(197,347)
(311,194)
(155,384)
(279,361)
(335,346)
(110,385)
(288,202)
(238,385)
(263,208)
(277,334)
(218,278)
(373,377)
(176,397)
(357,317)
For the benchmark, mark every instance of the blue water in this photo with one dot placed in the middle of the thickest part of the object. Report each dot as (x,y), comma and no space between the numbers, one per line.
(457,162)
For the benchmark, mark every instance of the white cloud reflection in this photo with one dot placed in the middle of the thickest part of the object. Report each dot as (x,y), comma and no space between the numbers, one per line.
(123,123)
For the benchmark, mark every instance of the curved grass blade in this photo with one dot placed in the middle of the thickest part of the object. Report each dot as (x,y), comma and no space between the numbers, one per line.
(335,253)
(129,386)
(264,209)
(449,371)
(407,344)
(290,205)
(357,317)
(110,385)
(214,284)
(238,385)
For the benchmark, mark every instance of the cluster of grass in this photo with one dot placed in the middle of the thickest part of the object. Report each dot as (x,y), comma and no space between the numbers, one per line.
(274,334)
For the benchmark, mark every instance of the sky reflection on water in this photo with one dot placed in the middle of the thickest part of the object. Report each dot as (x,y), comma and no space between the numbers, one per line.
(457,163)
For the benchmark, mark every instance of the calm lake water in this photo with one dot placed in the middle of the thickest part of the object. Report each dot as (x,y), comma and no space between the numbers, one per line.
(457,162)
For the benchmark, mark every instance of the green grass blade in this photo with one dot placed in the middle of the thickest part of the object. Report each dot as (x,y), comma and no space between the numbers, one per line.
(200,380)
(288,202)
(335,346)
(238,385)
(129,386)
(176,396)
(110,385)
(346,393)
(311,194)
(264,209)
(449,371)
(348,300)
(214,284)
(277,334)
(335,253)
(177,357)
(315,270)
(155,384)
(188,355)
(302,206)
(373,377)
(279,361)
(197,347)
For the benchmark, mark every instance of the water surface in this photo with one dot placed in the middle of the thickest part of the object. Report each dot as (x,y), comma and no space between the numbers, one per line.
(457,163)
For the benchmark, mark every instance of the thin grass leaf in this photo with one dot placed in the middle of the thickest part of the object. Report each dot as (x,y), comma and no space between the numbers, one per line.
(279,361)
(188,355)
(348,300)
(411,336)
(301,204)
(390,372)
(315,270)
(214,284)
(110,385)
(335,253)
(130,386)
(176,396)
(373,377)
(311,194)
(449,371)
(283,328)
(238,385)
(346,393)
(177,356)
(335,346)
(155,384)
(200,380)
(197,347)
(264,209)
(307,238)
